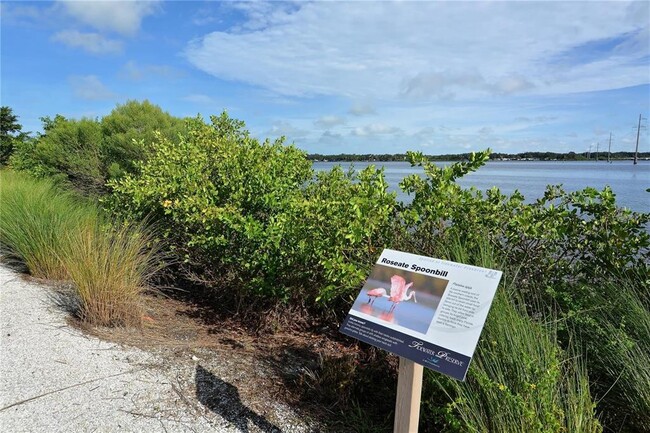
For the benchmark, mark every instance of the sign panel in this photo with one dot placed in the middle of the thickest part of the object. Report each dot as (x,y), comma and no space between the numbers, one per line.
(428,310)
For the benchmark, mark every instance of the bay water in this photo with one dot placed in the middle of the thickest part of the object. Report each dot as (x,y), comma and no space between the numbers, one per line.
(628,181)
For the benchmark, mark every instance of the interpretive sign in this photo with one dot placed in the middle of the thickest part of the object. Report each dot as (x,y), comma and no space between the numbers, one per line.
(428,310)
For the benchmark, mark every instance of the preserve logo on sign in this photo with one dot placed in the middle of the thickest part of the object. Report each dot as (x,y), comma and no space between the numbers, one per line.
(428,310)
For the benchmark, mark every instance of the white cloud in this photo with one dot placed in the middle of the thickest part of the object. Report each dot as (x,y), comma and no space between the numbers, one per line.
(89,87)
(327,122)
(426,50)
(122,17)
(91,42)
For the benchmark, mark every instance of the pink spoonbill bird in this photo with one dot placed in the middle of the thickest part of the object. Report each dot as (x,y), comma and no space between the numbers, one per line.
(398,289)
(376,293)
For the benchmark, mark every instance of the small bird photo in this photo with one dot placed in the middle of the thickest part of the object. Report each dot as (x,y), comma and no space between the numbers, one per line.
(400,297)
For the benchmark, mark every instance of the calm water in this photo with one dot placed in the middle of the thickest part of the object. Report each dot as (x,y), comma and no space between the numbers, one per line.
(629,182)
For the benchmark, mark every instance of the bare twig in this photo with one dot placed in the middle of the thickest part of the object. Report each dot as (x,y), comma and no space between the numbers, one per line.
(65,388)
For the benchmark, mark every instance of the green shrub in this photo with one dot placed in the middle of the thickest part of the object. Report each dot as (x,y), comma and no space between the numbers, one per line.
(251,216)
(335,233)
(217,196)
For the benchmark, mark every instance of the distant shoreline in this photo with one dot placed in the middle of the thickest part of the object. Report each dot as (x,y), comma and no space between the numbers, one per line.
(525,156)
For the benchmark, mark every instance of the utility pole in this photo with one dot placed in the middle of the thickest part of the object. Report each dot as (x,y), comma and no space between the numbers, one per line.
(609,150)
(636,152)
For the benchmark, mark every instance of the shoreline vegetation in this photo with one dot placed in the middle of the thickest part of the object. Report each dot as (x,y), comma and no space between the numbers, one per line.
(494,156)
(247,230)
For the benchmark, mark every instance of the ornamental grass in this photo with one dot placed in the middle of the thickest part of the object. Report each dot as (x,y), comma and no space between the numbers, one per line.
(62,237)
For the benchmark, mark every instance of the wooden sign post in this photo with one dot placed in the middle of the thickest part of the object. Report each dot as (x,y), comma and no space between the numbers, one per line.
(409,392)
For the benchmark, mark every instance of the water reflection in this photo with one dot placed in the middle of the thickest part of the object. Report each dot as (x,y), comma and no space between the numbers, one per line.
(366,308)
(388,317)
(384,315)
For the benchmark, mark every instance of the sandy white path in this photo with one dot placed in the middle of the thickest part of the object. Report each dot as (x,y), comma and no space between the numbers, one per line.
(53,378)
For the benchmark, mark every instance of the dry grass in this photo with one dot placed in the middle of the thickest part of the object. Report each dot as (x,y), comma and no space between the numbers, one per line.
(110,267)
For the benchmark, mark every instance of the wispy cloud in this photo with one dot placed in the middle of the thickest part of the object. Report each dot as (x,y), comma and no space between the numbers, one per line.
(24,14)
(284,128)
(330,138)
(426,50)
(362,109)
(89,87)
(446,84)
(536,119)
(375,129)
(90,42)
(199,99)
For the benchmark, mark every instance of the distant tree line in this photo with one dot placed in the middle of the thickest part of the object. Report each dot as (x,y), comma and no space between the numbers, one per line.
(538,156)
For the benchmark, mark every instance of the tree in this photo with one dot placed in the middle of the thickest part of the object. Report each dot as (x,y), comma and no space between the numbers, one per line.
(67,151)
(128,132)
(10,132)
(86,153)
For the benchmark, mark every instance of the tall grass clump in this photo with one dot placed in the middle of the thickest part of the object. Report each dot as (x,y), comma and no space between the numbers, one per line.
(34,215)
(62,237)
(615,332)
(520,379)
(110,266)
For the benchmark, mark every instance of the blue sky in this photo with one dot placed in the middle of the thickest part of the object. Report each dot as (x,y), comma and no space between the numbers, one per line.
(345,77)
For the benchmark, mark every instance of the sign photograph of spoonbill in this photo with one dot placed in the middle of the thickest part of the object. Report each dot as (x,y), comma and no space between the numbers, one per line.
(401,297)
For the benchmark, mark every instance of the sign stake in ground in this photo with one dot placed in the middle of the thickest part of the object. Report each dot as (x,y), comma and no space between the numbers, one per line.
(429,312)
(409,392)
